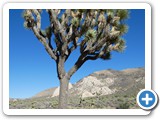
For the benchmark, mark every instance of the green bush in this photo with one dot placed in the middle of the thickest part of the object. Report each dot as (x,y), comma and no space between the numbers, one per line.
(123,106)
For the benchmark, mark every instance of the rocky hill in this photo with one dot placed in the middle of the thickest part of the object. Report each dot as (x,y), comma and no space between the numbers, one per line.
(109,89)
(103,83)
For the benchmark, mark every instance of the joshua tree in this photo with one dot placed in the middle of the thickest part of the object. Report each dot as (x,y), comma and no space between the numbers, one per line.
(94,32)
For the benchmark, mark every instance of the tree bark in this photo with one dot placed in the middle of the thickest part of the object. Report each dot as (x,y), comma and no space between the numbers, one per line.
(63,93)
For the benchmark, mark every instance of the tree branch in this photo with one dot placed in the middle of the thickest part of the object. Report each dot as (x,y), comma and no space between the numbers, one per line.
(78,64)
(38,16)
(35,26)
(56,24)
(95,56)
(69,50)
(43,41)
(58,28)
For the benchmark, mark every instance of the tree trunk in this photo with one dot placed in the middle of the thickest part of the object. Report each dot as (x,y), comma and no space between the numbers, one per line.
(63,93)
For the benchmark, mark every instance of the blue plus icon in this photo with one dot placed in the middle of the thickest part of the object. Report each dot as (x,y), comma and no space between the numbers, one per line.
(147,99)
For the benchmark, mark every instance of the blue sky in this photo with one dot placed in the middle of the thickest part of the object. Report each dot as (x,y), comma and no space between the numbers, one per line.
(31,69)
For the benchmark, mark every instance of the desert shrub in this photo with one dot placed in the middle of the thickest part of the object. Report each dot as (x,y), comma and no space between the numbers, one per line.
(125,96)
(123,106)
(119,100)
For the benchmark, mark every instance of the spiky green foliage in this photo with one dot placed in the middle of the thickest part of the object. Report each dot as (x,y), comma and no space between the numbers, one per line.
(123,14)
(94,25)
(102,30)
(27,15)
(91,34)
(122,28)
(110,12)
(75,22)
(121,45)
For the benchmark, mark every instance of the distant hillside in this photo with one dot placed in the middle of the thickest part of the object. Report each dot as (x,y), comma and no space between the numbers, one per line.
(45,93)
(105,82)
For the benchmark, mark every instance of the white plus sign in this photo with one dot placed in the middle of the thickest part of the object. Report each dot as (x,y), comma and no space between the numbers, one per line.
(147,99)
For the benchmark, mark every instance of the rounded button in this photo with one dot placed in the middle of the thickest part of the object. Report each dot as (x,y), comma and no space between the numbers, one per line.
(147,99)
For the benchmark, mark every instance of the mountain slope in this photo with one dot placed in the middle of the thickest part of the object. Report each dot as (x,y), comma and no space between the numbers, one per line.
(105,82)
(45,93)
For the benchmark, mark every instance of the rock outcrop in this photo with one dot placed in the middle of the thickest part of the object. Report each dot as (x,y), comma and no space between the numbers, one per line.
(110,81)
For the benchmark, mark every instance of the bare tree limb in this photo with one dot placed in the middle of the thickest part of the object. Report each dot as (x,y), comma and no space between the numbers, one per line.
(78,64)
(43,41)
(56,24)
(70,50)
